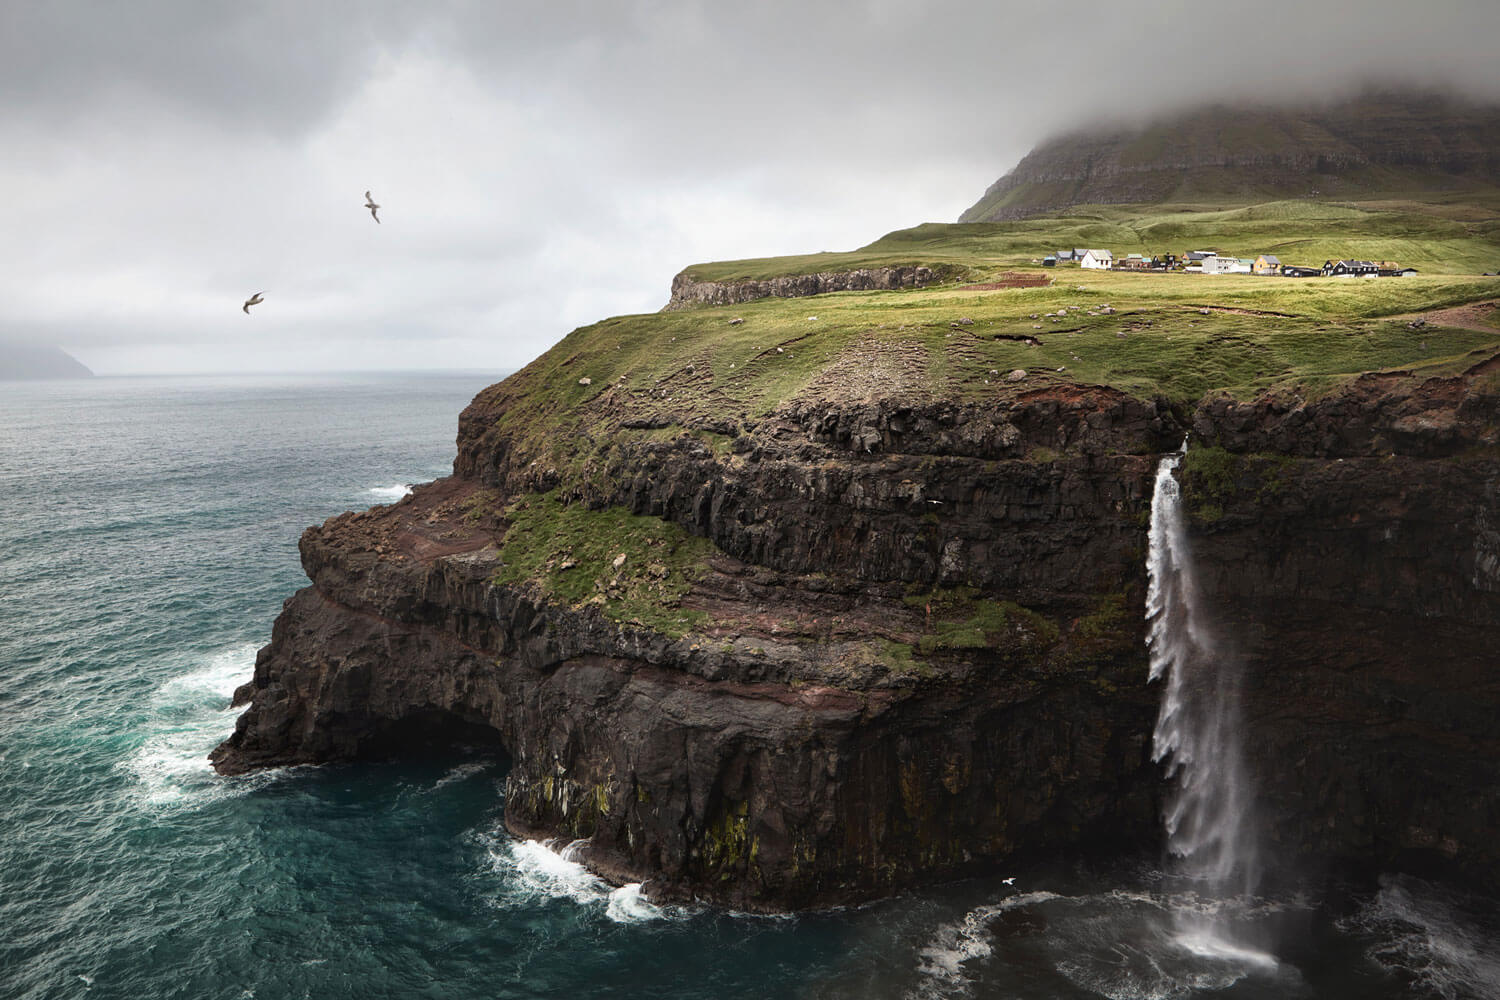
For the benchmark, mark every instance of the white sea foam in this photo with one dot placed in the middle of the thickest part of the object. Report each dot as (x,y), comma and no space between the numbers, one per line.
(386,494)
(544,873)
(460,773)
(941,961)
(1425,933)
(189,716)
(628,906)
(551,871)
(1119,944)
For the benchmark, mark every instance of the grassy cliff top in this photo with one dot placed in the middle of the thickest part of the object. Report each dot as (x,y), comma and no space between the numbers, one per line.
(1173,336)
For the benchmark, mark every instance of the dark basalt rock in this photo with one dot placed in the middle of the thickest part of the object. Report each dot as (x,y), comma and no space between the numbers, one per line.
(689,291)
(767,761)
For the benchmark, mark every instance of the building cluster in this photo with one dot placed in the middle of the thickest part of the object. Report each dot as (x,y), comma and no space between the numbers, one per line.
(1213,262)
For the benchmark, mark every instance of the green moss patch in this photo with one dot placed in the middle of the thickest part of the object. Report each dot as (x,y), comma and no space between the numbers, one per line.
(958,618)
(635,569)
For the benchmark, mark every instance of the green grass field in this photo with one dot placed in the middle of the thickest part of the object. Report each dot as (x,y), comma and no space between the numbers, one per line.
(1439,237)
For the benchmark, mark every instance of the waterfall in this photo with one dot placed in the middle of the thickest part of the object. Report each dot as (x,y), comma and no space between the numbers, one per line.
(1207,818)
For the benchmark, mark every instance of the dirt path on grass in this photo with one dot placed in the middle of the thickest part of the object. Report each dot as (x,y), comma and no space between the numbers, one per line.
(1481,316)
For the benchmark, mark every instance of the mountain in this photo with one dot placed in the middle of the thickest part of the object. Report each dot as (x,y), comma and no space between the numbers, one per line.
(1370,147)
(38,361)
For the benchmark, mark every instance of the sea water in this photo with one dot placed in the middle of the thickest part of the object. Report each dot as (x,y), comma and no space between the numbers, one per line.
(148,539)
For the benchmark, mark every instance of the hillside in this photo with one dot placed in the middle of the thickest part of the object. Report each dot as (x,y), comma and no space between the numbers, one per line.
(1372,147)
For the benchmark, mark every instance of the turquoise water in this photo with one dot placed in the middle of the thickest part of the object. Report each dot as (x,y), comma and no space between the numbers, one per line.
(148,542)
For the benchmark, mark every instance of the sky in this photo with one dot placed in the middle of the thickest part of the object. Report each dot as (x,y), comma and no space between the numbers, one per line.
(544,165)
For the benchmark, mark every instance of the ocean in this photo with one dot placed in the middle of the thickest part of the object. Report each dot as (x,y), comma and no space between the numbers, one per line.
(149,539)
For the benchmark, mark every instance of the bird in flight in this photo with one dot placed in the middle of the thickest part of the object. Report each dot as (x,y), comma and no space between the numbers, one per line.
(253,300)
(370,204)
(1009,881)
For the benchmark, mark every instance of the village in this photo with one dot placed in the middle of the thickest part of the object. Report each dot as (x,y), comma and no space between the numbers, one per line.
(1212,262)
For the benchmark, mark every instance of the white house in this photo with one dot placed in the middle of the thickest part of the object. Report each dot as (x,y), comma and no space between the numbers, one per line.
(1098,260)
(1214,264)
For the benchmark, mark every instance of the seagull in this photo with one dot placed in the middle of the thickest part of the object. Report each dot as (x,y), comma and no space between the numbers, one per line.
(370,204)
(253,300)
(1009,881)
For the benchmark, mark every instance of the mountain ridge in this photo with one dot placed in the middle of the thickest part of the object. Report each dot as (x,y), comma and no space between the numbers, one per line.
(1362,148)
(26,362)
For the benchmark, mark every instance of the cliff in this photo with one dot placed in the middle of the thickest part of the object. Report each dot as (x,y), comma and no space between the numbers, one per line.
(1378,145)
(780,606)
(902,641)
(851,710)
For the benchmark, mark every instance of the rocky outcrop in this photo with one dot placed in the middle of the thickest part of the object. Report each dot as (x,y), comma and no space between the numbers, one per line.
(689,291)
(1356,148)
(915,646)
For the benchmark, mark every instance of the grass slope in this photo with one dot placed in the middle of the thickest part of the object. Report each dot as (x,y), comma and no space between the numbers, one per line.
(1438,235)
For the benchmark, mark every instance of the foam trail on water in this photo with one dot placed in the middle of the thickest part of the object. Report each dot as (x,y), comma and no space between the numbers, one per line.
(941,962)
(1197,731)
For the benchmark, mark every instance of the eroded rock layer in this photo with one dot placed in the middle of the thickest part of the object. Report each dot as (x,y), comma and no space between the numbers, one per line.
(688,290)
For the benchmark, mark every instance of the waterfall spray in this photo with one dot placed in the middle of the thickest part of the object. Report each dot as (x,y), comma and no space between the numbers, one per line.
(1208,822)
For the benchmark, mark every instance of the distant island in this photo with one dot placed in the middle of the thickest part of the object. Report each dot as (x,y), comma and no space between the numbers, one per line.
(26,362)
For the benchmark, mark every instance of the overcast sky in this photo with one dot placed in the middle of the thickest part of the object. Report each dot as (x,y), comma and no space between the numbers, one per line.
(547,164)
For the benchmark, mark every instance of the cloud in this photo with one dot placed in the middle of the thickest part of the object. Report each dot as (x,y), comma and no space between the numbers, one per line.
(546,165)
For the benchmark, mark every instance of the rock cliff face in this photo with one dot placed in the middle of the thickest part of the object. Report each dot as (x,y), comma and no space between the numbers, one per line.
(1350,546)
(1355,149)
(688,291)
(915,644)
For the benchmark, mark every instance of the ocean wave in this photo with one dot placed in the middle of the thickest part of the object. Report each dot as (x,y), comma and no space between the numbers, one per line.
(386,494)
(541,873)
(189,716)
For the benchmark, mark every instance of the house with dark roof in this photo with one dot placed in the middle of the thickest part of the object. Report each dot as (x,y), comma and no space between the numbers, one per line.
(1350,269)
